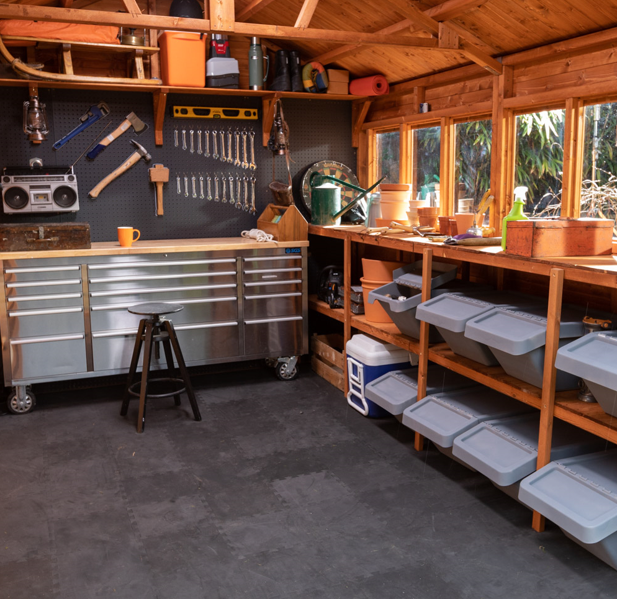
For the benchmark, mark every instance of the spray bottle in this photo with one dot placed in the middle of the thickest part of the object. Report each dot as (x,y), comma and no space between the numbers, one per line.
(516,213)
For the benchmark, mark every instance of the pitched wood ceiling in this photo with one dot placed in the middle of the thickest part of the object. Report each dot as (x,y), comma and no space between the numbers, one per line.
(496,26)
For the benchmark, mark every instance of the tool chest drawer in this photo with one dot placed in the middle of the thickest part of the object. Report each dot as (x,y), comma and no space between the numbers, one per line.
(272,304)
(45,321)
(275,335)
(200,343)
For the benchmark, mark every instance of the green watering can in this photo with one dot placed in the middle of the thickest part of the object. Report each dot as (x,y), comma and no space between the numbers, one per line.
(326,199)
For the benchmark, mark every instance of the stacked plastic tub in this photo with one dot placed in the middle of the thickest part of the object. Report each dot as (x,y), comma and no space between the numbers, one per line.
(517,338)
(377,273)
(594,359)
(450,313)
(505,450)
(579,494)
(400,298)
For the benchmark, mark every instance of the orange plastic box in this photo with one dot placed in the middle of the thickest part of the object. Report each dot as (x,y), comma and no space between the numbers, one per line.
(183,58)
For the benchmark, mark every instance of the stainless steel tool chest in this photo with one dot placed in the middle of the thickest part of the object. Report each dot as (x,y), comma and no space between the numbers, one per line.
(66,317)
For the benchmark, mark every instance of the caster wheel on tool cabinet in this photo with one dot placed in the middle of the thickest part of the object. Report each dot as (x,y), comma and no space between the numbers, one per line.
(21,406)
(285,374)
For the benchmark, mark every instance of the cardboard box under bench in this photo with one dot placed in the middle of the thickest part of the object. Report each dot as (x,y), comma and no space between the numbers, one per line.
(543,238)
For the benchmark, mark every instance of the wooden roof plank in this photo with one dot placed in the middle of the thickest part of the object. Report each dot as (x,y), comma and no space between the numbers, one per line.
(252,8)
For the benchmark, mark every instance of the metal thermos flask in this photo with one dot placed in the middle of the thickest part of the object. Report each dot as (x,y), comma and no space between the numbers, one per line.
(256,65)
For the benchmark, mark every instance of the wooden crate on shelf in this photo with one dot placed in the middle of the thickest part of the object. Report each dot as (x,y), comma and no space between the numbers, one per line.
(328,359)
(285,223)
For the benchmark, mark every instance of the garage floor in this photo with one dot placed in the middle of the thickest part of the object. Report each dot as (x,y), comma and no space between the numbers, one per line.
(281,492)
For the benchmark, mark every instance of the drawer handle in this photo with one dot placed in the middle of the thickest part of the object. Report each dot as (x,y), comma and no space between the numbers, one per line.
(183,327)
(206,300)
(269,258)
(45,240)
(258,283)
(159,290)
(267,320)
(36,298)
(270,277)
(20,313)
(273,295)
(29,340)
(44,283)
(10,271)
(260,271)
(110,266)
(128,279)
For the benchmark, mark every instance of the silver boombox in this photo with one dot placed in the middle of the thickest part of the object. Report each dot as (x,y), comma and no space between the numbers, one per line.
(46,189)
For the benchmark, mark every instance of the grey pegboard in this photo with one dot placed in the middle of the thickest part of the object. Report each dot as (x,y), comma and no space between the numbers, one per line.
(319,130)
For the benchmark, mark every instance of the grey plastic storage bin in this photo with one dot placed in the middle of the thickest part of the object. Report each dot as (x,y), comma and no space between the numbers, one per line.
(517,339)
(396,390)
(594,359)
(450,312)
(579,495)
(444,416)
(505,450)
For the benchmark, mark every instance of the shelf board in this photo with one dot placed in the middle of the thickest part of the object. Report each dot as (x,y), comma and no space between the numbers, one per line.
(386,331)
(203,91)
(318,306)
(588,416)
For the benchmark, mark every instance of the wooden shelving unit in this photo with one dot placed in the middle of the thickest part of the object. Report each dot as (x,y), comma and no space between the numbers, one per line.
(599,270)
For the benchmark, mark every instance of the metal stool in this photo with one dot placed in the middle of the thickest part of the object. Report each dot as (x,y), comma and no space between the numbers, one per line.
(153,330)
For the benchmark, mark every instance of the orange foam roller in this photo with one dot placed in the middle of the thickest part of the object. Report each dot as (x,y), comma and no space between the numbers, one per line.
(375,85)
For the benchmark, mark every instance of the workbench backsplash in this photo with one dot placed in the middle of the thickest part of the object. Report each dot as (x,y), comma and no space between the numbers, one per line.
(319,130)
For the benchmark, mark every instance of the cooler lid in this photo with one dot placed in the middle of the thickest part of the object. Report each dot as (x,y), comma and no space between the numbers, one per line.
(579,494)
(452,310)
(372,352)
(396,390)
(520,331)
(443,417)
(592,357)
(505,450)
(410,275)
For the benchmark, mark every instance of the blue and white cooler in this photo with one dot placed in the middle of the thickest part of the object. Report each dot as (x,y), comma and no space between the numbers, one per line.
(368,359)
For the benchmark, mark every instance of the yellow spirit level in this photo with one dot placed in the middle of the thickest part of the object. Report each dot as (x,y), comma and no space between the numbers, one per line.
(205,112)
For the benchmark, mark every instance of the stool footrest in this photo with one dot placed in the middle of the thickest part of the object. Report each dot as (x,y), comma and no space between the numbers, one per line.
(181,388)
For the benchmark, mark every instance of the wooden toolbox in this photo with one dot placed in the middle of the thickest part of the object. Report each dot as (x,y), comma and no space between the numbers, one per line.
(48,236)
(285,223)
(542,238)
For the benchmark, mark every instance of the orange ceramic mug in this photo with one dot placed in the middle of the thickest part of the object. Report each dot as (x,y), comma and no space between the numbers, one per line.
(126,236)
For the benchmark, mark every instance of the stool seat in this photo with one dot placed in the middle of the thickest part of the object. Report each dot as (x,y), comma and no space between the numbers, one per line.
(155,308)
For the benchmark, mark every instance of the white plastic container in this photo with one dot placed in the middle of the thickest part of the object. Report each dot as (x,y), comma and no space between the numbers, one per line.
(368,359)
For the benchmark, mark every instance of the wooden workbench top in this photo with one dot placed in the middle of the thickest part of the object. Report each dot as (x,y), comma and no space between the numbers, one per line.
(113,248)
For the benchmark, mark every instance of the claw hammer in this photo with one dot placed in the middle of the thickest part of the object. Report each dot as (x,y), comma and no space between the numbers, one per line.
(134,158)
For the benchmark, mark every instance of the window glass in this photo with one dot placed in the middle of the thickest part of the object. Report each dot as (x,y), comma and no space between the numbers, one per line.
(426,161)
(472,176)
(599,184)
(388,145)
(539,160)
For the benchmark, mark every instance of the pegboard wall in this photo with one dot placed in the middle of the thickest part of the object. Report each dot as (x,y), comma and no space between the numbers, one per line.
(319,130)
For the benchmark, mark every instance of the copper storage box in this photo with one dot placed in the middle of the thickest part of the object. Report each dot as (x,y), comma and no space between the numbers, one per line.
(560,237)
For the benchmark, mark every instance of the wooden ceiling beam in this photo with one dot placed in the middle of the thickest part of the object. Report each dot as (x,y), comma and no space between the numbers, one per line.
(306,13)
(445,11)
(70,15)
(252,8)
(222,15)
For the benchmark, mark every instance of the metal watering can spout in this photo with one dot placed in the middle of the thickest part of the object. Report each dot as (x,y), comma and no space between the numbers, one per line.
(328,198)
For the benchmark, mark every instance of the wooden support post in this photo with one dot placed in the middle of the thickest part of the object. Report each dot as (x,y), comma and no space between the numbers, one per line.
(446,167)
(503,149)
(406,155)
(547,408)
(160,102)
(427,267)
(419,97)
(222,15)
(358,116)
(347,262)
(372,160)
(139,64)
(132,7)
(362,161)
(573,149)
(67,60)
(155,59)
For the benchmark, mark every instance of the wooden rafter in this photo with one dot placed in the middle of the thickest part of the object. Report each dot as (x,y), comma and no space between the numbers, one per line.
(442,12)
(222,15)
(69,15)
(132,6)
(252,8)
(306,13)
